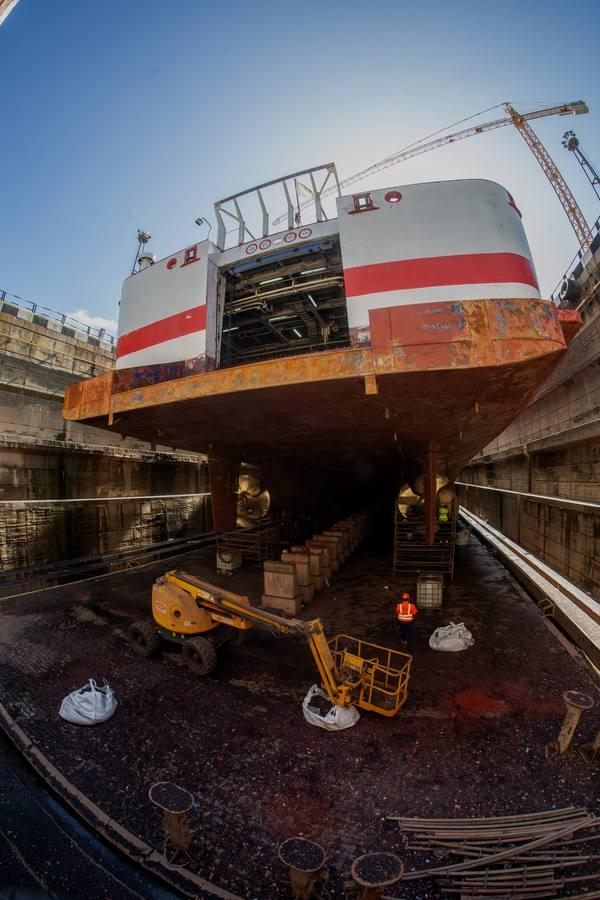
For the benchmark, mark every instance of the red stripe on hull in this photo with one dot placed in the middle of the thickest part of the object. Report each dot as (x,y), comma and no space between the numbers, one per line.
(439,271)
(175,326)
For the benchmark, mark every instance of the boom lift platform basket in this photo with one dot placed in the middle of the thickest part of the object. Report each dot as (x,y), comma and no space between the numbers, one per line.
(380,674)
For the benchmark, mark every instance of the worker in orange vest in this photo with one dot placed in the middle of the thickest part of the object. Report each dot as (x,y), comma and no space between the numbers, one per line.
(405,612)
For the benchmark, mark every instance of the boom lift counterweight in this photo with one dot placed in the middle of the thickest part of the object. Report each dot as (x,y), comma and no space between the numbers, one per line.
(202,616)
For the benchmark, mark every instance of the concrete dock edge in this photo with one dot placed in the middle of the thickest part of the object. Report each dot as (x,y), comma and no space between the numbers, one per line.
(185,882)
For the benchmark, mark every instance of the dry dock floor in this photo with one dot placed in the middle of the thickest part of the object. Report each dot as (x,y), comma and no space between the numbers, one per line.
(469,742)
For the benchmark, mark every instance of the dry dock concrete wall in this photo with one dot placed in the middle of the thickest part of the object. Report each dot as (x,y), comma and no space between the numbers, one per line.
(539,481)
(33,534)
(156,493)
(65,470)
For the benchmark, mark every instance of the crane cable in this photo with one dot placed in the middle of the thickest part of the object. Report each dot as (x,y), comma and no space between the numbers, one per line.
(519,120)
(388,160)
(427,136)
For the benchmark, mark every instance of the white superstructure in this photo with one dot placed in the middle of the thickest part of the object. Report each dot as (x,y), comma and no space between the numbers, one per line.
(317,286)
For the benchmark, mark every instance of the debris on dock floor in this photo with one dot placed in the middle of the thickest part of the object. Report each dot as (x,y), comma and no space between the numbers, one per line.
(469,742)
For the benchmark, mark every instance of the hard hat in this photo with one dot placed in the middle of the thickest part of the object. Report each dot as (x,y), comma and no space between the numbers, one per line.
(406,596)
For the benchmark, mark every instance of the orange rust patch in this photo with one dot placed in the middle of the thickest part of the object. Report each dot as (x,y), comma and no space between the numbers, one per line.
(570,321)
(312,409)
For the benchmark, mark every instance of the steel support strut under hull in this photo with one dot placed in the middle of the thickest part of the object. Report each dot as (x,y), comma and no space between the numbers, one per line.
(223,474)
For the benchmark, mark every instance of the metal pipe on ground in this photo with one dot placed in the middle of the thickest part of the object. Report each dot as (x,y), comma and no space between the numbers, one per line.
(563,812)
(487,834)
(543,841)
(543,814)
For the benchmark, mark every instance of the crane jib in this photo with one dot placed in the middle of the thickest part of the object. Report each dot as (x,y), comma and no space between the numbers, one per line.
(519,120)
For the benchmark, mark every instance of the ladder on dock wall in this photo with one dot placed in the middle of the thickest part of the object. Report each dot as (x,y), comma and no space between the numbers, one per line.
(413,555)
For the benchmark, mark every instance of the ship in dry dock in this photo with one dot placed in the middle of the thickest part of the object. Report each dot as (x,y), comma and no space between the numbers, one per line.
(393,340)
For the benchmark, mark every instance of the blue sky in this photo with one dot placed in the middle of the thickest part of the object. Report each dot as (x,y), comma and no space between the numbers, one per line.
(118,115)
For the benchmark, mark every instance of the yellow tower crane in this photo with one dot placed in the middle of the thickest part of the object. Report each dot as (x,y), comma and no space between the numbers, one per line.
(521,122)
(561,188)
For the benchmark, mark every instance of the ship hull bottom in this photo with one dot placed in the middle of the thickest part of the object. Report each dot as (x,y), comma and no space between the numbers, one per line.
(443,378)
(319,445)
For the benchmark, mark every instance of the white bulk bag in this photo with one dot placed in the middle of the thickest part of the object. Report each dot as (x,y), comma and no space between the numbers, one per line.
(336,719)
(451,638)
(89,705)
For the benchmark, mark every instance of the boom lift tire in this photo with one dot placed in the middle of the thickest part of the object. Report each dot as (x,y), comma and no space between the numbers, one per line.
(143,638)
(199,656)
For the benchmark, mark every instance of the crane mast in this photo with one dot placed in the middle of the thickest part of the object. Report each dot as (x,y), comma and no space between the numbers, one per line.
(561,189)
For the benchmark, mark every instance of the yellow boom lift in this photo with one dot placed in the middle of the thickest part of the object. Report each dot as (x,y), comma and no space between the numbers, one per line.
(201,617)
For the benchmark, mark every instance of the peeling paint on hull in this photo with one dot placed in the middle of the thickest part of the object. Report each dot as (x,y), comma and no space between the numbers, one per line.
(450,376)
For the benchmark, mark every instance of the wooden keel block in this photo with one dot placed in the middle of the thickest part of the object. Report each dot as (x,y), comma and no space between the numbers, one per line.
(323,548)
(301,562)
(338,537)
(332,543)
(289,605)
(280,579)
(348,533)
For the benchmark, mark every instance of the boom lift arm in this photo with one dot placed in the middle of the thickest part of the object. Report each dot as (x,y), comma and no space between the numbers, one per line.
(188,610)
(236,611)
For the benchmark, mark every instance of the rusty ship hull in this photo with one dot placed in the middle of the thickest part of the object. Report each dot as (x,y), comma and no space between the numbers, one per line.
(343,358)
(359,415)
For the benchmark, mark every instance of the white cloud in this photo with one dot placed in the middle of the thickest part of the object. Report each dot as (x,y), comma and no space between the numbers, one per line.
(86,318)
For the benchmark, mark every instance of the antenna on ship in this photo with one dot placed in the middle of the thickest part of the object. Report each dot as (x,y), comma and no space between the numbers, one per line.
(143,238)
